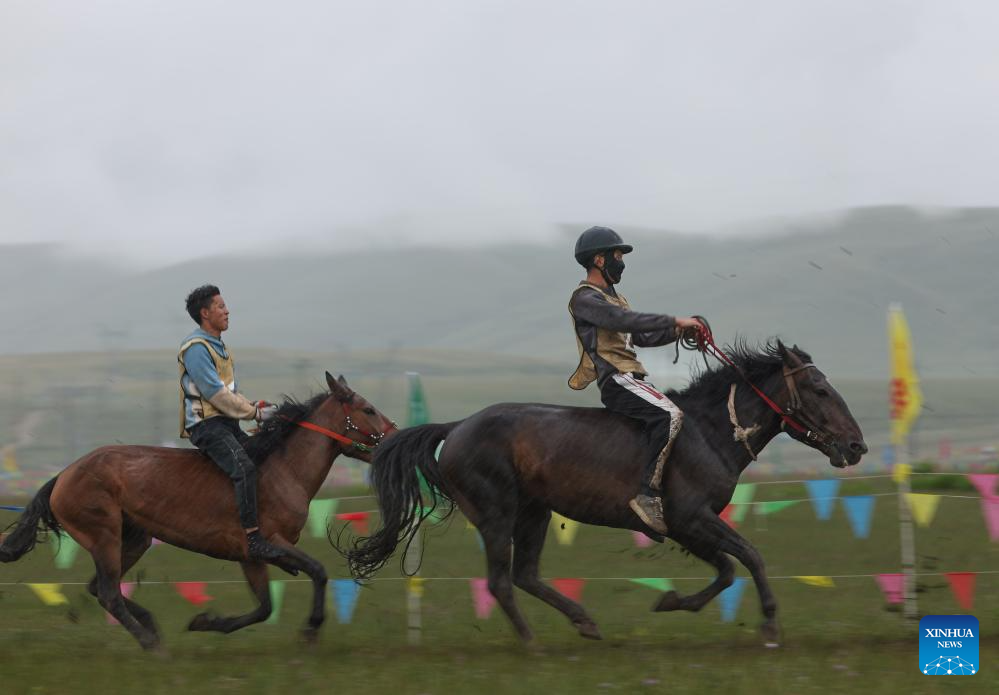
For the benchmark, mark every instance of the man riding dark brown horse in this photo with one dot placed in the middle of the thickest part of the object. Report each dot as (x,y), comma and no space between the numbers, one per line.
(607,331)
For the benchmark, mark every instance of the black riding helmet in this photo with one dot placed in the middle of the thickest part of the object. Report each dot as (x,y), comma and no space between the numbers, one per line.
(596,240)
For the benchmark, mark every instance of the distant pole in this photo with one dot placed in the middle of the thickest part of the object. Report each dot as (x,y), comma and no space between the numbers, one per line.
(418,414)
(908,538)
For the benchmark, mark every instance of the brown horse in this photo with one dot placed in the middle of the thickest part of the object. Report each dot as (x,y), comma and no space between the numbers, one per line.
(508,466)
(114,500)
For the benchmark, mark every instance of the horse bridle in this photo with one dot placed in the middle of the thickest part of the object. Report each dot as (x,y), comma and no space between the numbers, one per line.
(345,440)
(793,414)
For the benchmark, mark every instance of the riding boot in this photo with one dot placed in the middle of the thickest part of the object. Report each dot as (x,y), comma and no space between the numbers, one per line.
(260,550)
(648,504)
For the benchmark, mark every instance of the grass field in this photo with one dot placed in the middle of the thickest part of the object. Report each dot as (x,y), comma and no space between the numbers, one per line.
(835,639)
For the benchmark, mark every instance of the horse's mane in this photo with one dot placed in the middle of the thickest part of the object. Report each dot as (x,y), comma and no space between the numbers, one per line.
(272,434)
(758,362)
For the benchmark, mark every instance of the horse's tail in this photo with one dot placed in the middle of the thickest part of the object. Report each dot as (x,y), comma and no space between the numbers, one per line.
(25,534)
(396,481)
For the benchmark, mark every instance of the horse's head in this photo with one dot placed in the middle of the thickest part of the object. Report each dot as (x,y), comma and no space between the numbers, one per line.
(814,403)
(362,422)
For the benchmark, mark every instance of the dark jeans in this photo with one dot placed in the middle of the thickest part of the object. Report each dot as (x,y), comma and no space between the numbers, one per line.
(221,440)
(618,399)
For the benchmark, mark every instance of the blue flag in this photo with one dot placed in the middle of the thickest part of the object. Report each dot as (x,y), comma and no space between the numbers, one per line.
(730,599)
(859,510)
(345,595)
(823,494)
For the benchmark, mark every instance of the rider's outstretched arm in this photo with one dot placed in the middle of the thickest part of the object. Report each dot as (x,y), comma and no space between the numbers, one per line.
(647,330)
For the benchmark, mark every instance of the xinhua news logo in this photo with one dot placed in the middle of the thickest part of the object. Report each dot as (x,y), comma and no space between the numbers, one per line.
(948,645)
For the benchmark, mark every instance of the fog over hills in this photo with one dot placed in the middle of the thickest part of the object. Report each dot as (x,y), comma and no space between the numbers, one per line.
(824,284)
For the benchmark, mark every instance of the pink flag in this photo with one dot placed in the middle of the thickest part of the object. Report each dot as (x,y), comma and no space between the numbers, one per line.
(157,541)
(891,586)
(570,588)
(641,540)
(358,521)
(963,586)
(194,592)
(985,483)
(126,590)
(990,509)
(484,600)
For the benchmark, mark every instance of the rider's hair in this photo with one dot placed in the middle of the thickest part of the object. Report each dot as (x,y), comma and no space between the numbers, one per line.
(201,298)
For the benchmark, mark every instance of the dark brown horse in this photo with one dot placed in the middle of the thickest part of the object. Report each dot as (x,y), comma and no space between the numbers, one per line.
(114,500)
(508,466)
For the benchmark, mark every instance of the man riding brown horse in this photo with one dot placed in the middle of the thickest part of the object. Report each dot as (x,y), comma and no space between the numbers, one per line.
(211,407)
(607,331)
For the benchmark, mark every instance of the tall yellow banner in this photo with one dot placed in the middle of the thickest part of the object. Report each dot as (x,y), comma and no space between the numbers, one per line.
(905,398)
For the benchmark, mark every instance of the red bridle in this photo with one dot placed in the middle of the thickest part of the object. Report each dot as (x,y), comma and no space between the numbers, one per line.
(343,439)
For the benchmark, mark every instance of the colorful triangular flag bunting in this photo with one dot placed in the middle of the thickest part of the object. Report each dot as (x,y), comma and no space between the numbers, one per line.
(892,586)
(641,540)
(50,594)
(345,597)
(565,528)
(320,513)
(963,586)
(990,510)
(193,592)
(657,583)
(481,596)
(823,494)
(985,483)
(570,588)
(358,522)
(816,580)
(730,599)
(276,588)
(65,549)
(742,498)
(764,508)
(859,510)
(923,506)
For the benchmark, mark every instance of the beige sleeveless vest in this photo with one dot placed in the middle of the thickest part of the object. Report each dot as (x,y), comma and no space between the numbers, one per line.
(202,405)
(614,347)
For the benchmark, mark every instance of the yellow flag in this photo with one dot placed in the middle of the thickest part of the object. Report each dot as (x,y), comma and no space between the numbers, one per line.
(9,460)
(50,594)
(816,580)
(565,529)
(905,398)
(924,507)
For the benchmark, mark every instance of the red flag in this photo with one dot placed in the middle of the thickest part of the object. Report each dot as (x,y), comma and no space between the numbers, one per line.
(193,592)
(358,521)
(570,588)
(726,516)
(963,586)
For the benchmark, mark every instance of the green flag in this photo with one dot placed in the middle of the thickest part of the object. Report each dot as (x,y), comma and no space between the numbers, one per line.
(418,414)
(320,512)
(65,551)
(657,583)
(434,517)
(741,500)
(277,598)
(771,507)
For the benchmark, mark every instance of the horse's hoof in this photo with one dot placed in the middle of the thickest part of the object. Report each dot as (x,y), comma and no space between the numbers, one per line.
(771,635)
(589,630)
(202,622)
(310,635)
(669,601)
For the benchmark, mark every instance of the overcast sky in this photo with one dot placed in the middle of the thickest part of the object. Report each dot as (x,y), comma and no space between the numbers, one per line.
(188,128)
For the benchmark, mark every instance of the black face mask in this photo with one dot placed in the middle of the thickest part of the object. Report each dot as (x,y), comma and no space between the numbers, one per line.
(613,268)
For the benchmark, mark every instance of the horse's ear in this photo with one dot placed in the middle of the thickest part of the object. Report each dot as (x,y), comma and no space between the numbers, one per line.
(790,357)
(339,388)
(781,348)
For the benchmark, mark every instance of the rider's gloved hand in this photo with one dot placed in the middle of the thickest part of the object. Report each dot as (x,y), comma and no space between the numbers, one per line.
(265,411)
